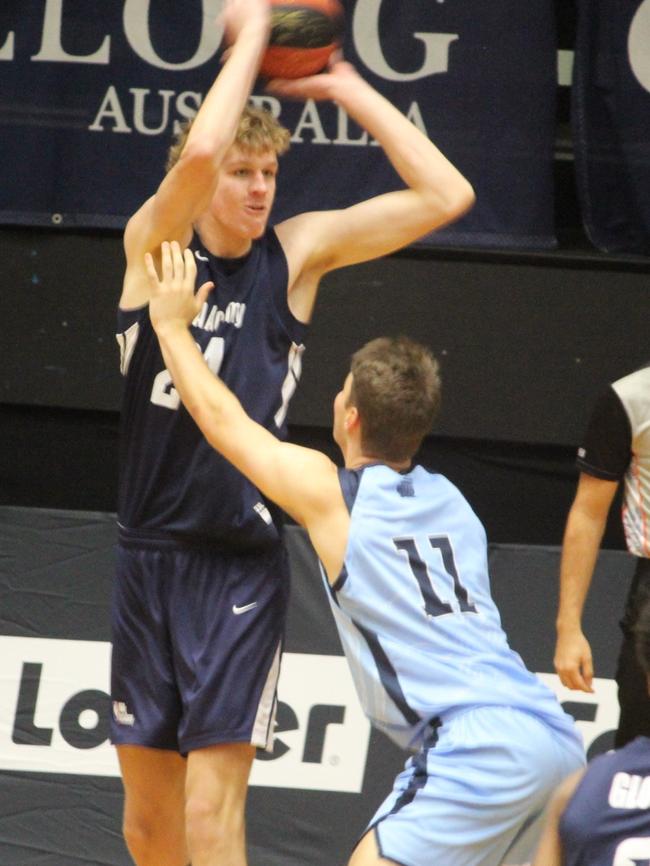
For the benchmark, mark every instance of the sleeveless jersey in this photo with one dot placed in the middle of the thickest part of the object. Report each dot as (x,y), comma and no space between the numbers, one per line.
(607,820)
(414,612)
(173,484)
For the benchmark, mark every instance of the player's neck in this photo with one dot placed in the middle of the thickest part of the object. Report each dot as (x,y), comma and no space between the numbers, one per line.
(219,241)
(359,460)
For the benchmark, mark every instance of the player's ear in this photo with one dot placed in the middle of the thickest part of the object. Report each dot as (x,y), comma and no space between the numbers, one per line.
(351,419)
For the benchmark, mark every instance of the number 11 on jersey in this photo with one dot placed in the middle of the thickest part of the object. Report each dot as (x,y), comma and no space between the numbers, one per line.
(433,604)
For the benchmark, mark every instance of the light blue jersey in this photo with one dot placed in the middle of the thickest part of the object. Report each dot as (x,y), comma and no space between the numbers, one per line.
(434,671)
(421,632)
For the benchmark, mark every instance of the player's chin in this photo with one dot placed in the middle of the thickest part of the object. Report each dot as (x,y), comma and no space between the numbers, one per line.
(256,225)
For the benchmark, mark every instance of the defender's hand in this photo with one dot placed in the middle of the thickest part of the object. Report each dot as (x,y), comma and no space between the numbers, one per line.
(173,303)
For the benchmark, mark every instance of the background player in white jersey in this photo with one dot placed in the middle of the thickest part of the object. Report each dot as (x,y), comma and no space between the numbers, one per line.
(405,563)
(616,448)
(601,816)
(197,542)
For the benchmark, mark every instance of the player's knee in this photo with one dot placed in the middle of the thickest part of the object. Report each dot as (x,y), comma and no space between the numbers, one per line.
(149,838)
(210,825)
(139,836)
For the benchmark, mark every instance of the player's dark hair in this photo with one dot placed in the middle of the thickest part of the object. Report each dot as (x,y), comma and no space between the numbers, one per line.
(642,636)
(396,390)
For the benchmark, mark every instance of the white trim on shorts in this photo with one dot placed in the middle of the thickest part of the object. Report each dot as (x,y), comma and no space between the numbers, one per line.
(263,727)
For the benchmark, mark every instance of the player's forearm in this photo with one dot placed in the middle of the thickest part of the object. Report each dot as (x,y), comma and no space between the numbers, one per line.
(204,395)
(580,549)
(215,124)
(420,164)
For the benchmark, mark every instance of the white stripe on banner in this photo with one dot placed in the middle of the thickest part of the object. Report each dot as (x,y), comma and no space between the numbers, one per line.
(51,719)
(54,704)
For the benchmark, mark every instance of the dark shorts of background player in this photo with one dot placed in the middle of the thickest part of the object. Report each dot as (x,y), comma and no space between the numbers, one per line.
(633,697)
(197,637)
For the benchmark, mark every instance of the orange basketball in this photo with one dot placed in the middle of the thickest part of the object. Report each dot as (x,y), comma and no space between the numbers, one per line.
(304,33)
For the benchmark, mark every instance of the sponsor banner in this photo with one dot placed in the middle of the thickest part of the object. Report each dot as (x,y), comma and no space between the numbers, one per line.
(611,122)
(322,735)
(92,93)
(54,716)
(54,709)
(55,706)
(328,768)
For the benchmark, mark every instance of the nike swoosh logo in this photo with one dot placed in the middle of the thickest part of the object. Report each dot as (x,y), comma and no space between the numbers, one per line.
(200,257)
(237,610)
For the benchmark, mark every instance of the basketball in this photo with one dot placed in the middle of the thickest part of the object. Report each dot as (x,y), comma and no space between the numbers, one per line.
(304,33)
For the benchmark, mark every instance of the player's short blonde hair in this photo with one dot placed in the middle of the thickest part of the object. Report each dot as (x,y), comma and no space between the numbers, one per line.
(258,130)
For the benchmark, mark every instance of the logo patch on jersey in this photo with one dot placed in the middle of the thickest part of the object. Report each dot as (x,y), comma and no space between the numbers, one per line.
(211,317)
(200,257)
(581,452)
(405,487)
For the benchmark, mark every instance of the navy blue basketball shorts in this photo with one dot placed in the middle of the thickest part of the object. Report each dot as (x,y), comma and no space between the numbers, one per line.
(197,638)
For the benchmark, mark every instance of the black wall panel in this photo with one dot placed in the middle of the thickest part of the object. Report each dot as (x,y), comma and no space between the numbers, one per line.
(525,344)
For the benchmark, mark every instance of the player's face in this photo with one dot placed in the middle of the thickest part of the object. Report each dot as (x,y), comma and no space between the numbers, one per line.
(245,191)
(341,408)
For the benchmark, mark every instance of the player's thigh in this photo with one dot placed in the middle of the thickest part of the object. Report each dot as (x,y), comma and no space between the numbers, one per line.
(154,782)
(367,853)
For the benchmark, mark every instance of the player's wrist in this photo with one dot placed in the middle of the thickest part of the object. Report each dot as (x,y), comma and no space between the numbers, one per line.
(348,87)
(170,330)
(568,626)
(255,32)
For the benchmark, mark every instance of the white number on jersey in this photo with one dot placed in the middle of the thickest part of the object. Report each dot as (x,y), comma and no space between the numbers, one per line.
(163,392)
(632,852)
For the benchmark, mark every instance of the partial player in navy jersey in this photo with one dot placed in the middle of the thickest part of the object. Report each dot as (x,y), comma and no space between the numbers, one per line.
(615,450)
(601,816)
(404,562)
(201,584)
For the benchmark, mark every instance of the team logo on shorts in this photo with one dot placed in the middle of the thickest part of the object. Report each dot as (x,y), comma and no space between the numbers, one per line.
(122,715)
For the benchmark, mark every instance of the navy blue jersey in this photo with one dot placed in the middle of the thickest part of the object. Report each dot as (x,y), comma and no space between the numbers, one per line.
(607,820)
(172,482)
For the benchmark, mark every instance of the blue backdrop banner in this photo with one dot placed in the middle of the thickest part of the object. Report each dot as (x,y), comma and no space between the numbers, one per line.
(611,121)
(91,93)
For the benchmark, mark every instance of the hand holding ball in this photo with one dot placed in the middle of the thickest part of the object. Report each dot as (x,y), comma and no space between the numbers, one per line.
(304,33)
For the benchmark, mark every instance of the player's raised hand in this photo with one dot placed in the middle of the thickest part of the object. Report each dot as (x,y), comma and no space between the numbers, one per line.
(239,14)
(173,302)
(324,85)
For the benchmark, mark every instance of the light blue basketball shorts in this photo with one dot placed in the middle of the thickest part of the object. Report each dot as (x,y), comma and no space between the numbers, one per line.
(477,797)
